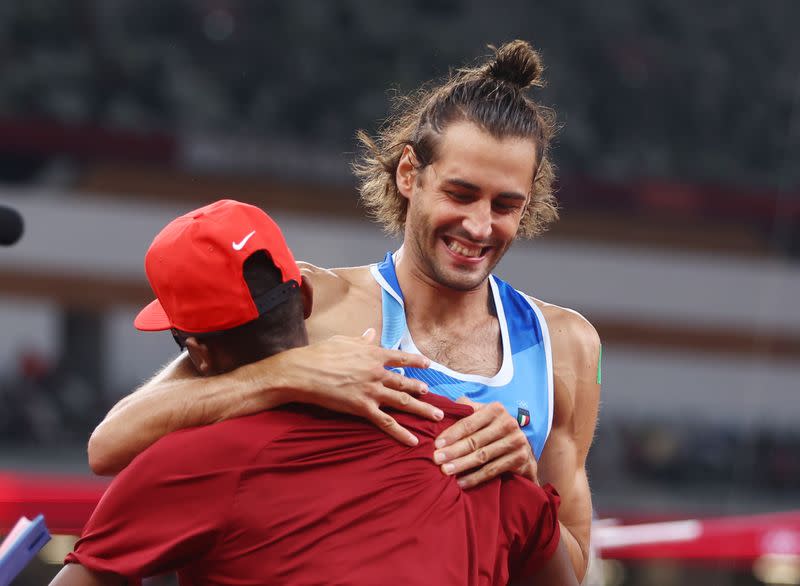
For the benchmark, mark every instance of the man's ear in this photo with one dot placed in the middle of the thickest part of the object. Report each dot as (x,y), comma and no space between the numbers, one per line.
(201,356)
(407,170)
(307,291)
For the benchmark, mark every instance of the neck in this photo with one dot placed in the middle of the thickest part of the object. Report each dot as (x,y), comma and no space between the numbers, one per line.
(440,305)
(254,348)
(295,339)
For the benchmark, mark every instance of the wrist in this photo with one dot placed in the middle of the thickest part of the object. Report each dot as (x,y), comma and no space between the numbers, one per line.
(274,379)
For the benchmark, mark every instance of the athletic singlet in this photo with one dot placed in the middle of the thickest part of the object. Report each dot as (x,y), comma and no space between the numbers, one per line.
(524,383)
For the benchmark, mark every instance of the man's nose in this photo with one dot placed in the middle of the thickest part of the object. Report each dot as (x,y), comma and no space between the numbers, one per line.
(478,221)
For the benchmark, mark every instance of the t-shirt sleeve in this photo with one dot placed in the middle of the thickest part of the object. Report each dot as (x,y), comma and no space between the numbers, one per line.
(530,514)
(165,509)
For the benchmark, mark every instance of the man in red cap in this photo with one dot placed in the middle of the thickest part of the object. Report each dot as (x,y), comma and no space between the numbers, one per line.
(294,496)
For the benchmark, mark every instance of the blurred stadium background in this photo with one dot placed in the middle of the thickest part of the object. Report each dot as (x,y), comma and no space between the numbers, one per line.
(679,238)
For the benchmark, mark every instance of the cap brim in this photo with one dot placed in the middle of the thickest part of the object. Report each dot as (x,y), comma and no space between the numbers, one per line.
(152,318)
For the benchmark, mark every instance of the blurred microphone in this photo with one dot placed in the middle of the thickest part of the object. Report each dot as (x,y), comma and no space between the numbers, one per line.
(11,226)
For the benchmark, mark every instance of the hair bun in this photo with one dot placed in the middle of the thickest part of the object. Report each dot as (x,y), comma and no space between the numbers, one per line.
(516,63)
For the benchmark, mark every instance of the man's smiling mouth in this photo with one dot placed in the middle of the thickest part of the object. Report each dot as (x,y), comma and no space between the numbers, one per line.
(465,249)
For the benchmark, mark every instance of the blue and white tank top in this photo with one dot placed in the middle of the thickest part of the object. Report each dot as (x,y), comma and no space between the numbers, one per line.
(524,383)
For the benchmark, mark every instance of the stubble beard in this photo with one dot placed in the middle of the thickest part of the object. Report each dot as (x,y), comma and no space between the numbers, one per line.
(424,245)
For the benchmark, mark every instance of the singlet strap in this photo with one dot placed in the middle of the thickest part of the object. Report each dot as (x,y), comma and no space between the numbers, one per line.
(394,315)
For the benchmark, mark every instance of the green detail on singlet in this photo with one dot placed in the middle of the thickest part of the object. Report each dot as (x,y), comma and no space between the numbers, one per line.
(600,366)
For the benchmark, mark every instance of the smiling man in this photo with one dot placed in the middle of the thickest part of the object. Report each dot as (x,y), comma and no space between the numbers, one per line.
(461,170)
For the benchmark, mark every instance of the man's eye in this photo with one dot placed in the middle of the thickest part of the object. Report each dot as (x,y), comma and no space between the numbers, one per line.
(504,207)
(461,197)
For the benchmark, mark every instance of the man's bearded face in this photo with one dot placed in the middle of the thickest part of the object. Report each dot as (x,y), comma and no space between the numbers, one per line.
(466,206)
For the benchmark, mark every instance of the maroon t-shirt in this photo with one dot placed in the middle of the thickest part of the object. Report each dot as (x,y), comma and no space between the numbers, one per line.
(304,496)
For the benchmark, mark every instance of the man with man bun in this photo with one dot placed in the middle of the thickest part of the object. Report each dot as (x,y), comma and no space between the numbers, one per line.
(461,170)
(296,495)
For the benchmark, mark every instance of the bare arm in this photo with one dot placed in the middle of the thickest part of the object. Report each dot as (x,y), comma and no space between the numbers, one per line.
(490,442)
(342,373)
(576,352)
(175,398)
(78,575)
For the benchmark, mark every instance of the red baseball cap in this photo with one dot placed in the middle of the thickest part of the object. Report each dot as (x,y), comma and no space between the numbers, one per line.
(194,266)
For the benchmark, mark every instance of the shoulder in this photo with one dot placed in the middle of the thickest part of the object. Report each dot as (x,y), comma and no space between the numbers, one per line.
(570,332)
(337,281)
(343,299)
(574,341)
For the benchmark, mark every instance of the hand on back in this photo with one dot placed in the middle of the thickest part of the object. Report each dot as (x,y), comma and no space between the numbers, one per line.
(348,375)
(484,445)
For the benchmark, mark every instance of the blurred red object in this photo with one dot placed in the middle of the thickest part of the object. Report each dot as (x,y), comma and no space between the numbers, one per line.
(738,538)
(66,501)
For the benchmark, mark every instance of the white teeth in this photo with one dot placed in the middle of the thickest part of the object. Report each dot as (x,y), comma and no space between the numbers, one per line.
(463,250)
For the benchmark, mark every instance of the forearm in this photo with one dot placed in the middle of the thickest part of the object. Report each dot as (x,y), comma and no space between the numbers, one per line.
(178,398)
(575,512)
(343,374)
(578,555)
(555,572)
(78,575)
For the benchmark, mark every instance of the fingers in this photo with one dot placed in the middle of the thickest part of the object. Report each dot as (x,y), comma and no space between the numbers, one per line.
(492,470)
(398,382)
(471,445)
(386,356)
(407,403)
(400,358)
(488,456)
(467,426)
(466,401)
(484,445)
(388,425)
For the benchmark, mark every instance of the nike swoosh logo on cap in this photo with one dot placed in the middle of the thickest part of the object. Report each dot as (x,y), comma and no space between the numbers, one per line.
(240,245)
